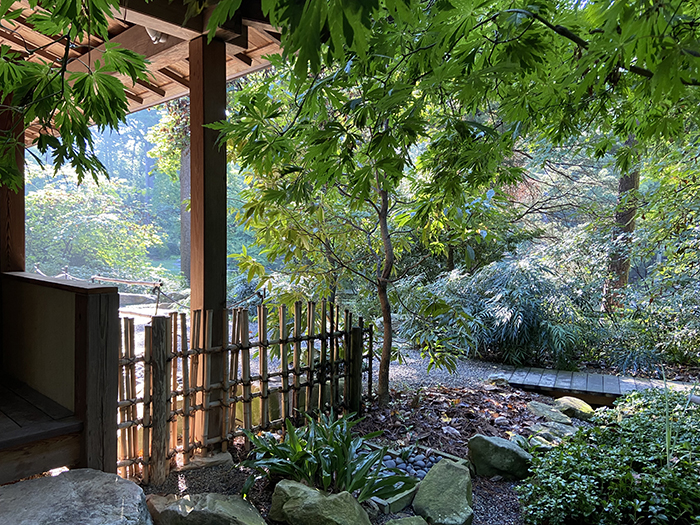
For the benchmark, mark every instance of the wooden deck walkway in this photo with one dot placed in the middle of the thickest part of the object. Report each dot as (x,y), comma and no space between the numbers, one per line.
(596,388)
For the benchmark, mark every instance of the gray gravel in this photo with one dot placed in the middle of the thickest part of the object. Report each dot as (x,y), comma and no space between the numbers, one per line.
(412,372)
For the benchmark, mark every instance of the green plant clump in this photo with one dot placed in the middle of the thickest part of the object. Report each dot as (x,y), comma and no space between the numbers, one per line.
(640,465)
(326,455)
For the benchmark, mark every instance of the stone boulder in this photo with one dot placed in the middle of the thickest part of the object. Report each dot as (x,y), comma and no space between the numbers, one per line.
(82,496)
(295,503)
(495,456)
(556,430)
(444,496)
(574,407)
(203,509)
(412,520)
(548,412)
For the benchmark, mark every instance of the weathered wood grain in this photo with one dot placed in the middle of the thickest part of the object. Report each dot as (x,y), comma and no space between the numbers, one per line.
(563,381)
(548,379)
(611,385)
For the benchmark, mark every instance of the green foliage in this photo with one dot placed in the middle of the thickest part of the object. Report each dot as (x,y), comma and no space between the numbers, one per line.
(619,472)
(48,94)
(325,454)
(89,229)
(512,310)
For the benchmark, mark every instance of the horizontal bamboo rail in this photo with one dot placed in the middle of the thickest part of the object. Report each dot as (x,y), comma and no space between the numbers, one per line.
(170,405)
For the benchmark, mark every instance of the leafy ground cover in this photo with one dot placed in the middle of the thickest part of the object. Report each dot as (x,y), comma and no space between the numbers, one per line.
(640,464)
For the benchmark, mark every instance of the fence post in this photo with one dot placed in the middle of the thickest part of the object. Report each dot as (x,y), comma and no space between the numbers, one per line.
(160,348)
(353,378)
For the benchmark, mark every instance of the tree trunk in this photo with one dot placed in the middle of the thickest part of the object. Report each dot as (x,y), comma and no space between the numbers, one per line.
(450,258)
(184,214)
(619,265)
(382,282)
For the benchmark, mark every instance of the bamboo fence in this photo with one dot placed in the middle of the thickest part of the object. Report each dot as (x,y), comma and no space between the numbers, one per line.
(210,390)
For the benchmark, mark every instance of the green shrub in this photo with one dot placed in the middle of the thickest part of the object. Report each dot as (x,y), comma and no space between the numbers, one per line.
(515,310)
(638,466)
(326,455)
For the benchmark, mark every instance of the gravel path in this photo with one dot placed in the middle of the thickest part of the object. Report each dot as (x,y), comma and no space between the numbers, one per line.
(413,373)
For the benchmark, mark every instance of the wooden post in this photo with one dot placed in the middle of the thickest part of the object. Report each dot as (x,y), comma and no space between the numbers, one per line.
(12,251)
(97,377)
(208,207)
(353,377)
(160,370)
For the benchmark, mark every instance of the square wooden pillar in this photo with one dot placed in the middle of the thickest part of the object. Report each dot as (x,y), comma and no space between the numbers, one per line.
(12,254)
(208,208)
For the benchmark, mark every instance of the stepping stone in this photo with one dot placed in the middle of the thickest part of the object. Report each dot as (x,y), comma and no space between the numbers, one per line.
(574,407)
(82,496)
(548,412)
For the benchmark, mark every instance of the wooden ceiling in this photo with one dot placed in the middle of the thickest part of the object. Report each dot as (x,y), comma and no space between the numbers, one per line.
(159,31)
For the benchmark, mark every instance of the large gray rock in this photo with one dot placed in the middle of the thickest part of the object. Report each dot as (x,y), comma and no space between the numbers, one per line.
(444,496)
(297,504)
(203,509)
(495,456)
(574,407)
(75,497)
(548,412)
(556,430)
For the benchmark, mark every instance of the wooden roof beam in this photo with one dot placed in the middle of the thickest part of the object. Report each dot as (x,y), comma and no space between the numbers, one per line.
(135,38)
(163,16)
(175,77)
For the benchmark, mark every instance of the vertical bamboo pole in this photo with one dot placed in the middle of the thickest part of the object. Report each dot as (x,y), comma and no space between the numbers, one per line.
(310,332)
(324,348)
(333,354)
(226,394)
(147,404)
(196,344)
(132,413)
(353,375)
(184,347)
(206,374)
(264,380)
(160,400)
(245,375)
(173,375)
(235,343)
(297,359)
(123,445)
(370,376)
(347,324)
(284,358)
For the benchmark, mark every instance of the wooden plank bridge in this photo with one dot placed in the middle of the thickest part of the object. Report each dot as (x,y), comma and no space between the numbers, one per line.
(597,389)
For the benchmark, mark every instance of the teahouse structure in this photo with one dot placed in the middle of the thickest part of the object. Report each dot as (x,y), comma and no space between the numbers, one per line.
(60,339)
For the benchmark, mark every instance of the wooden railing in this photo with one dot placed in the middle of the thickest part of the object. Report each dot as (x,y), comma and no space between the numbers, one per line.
(193,396)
